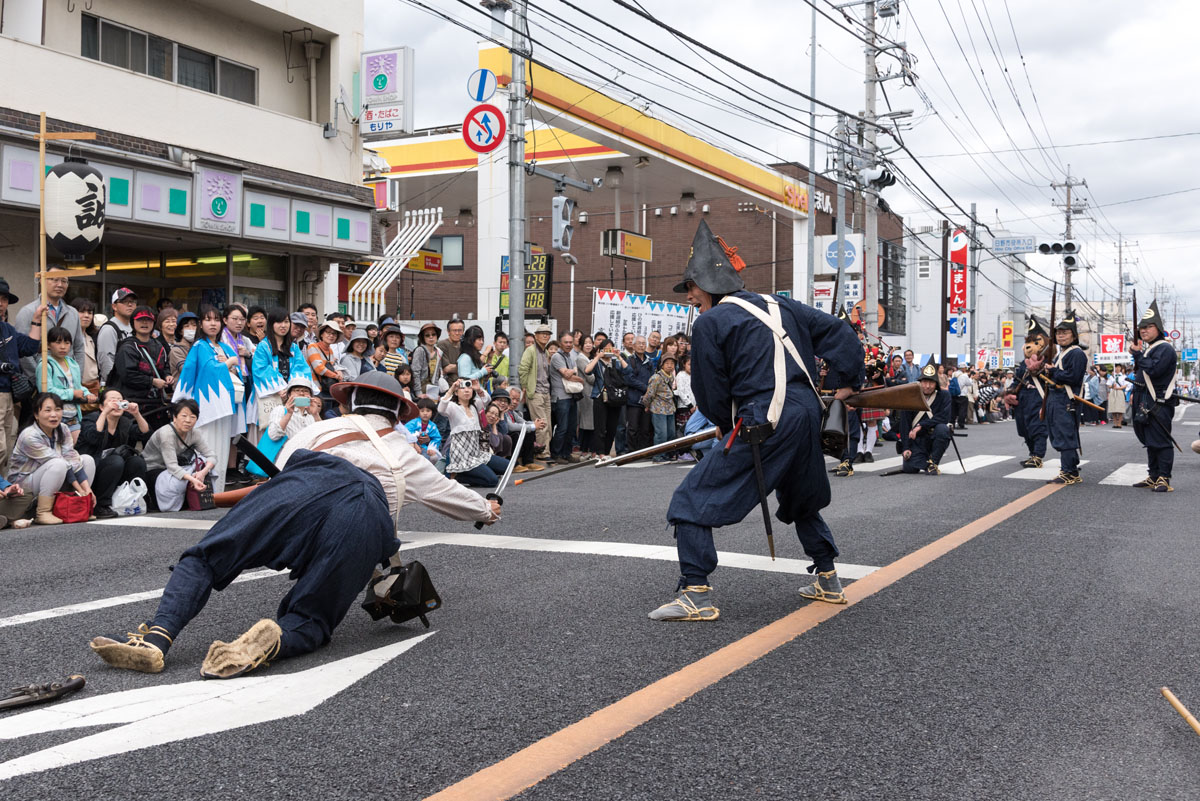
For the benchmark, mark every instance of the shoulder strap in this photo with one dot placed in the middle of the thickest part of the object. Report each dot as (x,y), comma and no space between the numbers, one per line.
(389,458)
(1150,383)
(773,320)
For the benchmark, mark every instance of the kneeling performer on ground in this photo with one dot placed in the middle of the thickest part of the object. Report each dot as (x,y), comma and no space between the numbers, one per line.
(752,367)
(330,517)
(924,436)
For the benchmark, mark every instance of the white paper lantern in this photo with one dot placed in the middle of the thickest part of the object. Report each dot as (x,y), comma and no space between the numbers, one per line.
(74,203)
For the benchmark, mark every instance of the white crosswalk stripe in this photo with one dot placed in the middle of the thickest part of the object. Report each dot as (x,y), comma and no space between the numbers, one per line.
(950,465)
(1042,473)
(1126,474)
(877,465)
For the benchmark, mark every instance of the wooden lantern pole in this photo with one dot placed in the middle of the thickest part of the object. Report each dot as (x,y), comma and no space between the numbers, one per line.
(41,274)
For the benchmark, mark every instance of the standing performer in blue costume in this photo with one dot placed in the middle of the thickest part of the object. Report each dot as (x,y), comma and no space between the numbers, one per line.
(753,365)
(924,436)
(211,376)
(1025,399)
(277,359)
(1154,398)
(1062,413)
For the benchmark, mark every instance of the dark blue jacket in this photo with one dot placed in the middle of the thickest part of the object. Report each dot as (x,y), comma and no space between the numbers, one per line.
(637,377)
(14,345)
(733,355)
(1071,374)
(1158,367)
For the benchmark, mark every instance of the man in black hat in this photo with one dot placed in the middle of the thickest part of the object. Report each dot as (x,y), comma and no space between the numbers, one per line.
(924,436)
(1025,396)
(1062,413)
(753,364)
(1154,398)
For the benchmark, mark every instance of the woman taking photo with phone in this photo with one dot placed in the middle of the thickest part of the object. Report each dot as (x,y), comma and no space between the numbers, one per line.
(277,359)
(471,460)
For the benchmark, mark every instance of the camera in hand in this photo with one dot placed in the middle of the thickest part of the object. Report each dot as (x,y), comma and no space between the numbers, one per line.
(464,383)
(123,405)
(7,368)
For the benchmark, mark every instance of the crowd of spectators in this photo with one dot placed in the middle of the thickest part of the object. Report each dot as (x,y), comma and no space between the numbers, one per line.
(163,395)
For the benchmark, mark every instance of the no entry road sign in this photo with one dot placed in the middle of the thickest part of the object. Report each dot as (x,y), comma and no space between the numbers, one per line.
(483,128)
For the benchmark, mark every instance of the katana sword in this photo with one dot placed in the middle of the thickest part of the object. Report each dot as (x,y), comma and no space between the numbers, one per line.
(496,494)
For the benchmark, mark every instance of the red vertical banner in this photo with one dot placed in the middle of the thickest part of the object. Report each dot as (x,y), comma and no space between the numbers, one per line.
(958,271)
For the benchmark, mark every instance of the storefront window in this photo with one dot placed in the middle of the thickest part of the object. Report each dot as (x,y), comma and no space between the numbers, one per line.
(189,278)
(252,265)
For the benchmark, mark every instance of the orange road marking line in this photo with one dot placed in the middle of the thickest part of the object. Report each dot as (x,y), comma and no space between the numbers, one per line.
(547,756)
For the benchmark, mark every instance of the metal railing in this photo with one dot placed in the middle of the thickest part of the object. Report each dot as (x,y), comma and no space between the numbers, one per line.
(367,297)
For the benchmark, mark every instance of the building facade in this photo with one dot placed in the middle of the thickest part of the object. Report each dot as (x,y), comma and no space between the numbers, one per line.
(232,174)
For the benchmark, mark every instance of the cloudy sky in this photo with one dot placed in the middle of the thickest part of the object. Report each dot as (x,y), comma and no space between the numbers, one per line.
(1025,87)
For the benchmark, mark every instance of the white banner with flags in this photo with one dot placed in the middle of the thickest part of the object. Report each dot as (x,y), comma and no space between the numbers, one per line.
(616,312)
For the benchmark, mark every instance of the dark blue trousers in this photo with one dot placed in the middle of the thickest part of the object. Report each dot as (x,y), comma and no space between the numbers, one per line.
(1062,424)
(928,446)
(322,518)
(1030,425)
(854,434)
(722,489)
(1155,436)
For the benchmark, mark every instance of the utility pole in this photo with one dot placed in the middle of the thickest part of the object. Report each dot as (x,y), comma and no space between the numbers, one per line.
(945,322)
(870,315)
(1070,211)
(840,212)
(974,280)
(516,194)
(812,158)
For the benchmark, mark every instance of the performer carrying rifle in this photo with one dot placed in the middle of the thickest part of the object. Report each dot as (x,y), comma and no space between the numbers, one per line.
(1028,391)
(924,436)
(1061,411)
(752,374)
(329,517)
(1154,398)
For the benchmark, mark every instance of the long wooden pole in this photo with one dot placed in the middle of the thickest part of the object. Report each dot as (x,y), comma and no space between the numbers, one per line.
(41,277)
(41,273)
(1181,709)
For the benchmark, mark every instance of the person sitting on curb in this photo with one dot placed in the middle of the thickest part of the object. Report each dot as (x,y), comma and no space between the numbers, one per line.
(177,458)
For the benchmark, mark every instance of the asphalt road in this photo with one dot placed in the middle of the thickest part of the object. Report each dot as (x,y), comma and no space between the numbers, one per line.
(1023,664)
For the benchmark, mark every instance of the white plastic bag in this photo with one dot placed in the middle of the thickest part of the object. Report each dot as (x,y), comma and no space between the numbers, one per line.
(130,498)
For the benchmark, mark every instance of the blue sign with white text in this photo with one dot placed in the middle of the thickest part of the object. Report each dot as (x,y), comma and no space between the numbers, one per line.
(849,255)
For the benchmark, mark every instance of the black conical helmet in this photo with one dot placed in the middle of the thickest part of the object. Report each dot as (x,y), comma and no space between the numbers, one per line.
(709,267)
(1152,317)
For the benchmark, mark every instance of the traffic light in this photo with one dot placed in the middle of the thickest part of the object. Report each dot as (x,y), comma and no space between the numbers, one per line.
(562,212)
(877,177)
(1068,250)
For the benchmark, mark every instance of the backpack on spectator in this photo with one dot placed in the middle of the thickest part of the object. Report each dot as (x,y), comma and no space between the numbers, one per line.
(954,390)
(122,335)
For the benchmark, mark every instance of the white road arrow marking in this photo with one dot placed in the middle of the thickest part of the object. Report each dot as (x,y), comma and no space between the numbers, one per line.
(172,712)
